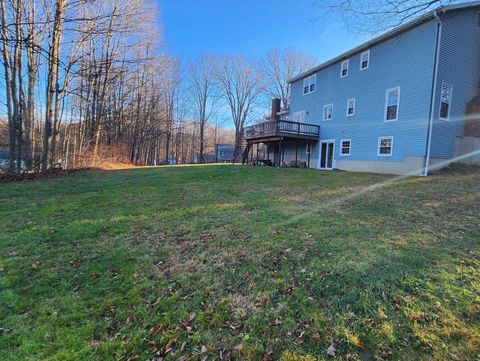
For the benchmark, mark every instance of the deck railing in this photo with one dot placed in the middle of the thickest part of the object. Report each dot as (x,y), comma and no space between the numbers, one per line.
(279,127)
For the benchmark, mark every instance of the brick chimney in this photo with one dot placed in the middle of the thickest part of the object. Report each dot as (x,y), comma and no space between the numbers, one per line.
(275,109)
(472,124)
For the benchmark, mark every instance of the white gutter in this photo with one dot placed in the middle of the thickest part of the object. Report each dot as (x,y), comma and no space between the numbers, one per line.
(434,93)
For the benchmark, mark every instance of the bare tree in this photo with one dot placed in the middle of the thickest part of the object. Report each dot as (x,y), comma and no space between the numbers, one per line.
(377,15)
(88,81)
(242,85)
(279,67)
(52,88)
(202,72)
(7,63)
(35,35)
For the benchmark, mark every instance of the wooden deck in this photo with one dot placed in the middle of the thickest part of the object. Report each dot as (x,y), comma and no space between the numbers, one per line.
(279,129)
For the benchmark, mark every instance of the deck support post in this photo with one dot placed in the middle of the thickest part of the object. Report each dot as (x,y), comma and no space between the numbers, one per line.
(283,153)
(256,162)
(309,152)
(268,151)
(296,153)
(279,159)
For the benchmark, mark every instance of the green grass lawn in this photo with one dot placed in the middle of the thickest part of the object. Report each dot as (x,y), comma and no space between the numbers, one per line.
(244,263)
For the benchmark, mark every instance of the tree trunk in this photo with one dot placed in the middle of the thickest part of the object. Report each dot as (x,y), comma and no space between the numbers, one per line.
(32,77)
(8,87)
(51,89)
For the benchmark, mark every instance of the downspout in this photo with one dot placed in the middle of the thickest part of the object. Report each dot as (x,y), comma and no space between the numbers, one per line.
(433,95)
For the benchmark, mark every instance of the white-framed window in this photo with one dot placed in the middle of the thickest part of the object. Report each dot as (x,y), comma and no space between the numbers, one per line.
(350,107)
(445,101)
(309,84)
(299,116)
(328,112)
(392,102)
(385,146)
(365,60)
(346,145)
(344,68)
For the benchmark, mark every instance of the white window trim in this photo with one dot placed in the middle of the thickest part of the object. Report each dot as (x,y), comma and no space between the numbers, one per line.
(349,148)
(301,113)
(323,114)
(347,61)
(314,76)
(368,61)
(354,104)
(386,105)
(391,146)
(447,119)
(320,153)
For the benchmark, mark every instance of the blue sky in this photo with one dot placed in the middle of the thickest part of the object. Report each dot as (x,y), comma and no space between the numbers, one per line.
(251,27)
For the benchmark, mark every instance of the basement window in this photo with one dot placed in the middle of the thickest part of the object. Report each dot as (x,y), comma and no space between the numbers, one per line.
(385,146)
(346,144)
(445,101)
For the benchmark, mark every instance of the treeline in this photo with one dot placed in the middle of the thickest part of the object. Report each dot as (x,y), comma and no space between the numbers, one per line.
(85,81)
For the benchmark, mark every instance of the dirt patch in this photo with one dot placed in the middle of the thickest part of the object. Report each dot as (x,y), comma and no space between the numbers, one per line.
(6,177)
(458,168)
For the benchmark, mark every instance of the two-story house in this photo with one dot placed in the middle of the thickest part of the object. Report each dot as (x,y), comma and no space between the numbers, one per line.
(396,104)
(224,153)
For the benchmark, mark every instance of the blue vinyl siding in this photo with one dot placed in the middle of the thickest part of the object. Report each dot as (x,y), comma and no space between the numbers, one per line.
(406,61)
(458,66)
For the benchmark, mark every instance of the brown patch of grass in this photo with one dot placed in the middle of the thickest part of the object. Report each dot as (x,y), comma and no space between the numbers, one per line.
(243,305)
(110,165)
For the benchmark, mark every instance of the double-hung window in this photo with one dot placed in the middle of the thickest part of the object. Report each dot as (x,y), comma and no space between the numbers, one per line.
(445,101)
(364,60)
(385,146)
(309,84)
(346,145)
(344,69)
(328,112)
(392,102)
(350,107)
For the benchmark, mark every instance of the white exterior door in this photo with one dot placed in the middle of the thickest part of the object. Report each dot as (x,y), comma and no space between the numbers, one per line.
(299,117)
(327,154)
